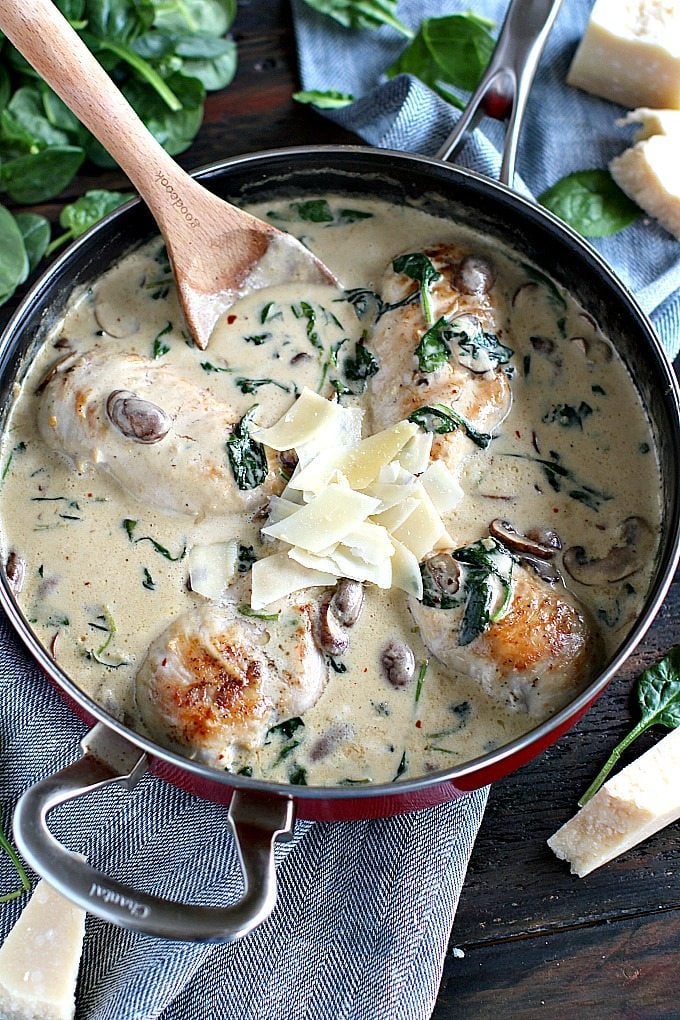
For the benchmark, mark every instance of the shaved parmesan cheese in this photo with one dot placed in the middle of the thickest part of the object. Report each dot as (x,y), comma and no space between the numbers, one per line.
(277,576)
(442,486)
(301,423)
(416,454)
(40,957)
(396,515)
(406,571)
(331,515)
(351,565)
(637,802)
(211,567)
(423,529)
(369,542)
(363,463)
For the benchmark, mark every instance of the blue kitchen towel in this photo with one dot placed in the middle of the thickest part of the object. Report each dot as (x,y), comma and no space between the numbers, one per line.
(364,913)
(565,129)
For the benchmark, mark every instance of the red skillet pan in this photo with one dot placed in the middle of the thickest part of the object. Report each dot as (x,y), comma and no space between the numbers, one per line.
(261,811)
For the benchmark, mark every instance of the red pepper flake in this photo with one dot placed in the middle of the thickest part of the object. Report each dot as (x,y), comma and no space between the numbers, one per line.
(518,433)
(164,663)
(418,723)
(556,509)
(231,319)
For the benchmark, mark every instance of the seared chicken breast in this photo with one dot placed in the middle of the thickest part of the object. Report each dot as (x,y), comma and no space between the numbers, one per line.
(161,437)
(215,681)
(469,380)
(534,658)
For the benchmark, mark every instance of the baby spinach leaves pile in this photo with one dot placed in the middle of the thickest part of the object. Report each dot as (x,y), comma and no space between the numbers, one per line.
(163,54)
(658,697)
(362,13)
(27,236)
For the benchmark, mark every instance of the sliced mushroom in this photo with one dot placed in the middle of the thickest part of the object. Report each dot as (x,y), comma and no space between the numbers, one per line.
(524,294)
(329,634)
(328,743)
(531,544)
(15,569)
(623,559)
(136,418)
(595,350)
(347,601)
(474,275)
(114,321)
(398,663)
(445,572)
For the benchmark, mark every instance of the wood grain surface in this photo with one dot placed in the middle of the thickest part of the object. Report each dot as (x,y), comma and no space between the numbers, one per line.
(537,942)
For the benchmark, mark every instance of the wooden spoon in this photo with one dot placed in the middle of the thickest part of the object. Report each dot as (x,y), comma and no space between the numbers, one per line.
(218,252)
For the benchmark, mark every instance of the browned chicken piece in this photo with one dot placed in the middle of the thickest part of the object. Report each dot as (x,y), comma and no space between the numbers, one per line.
(161,437)
(214,682)
(535,658)
(470,380)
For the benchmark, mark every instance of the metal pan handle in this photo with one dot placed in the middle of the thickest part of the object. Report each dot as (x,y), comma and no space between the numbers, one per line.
(504,89)
(256,821)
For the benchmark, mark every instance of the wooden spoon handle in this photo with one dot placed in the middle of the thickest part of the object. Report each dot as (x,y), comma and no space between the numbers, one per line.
(49,43)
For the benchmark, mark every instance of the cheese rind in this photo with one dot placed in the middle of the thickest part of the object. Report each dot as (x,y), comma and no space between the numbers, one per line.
(40,957)
(630,53)
(648,173)
(633,805)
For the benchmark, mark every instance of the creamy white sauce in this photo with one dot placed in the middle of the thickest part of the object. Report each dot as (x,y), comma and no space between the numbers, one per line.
(98,597)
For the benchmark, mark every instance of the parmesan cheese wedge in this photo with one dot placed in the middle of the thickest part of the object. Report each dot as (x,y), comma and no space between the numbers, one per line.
(637,802)
(630,53)
(40,957)
(648,173)
(652,122)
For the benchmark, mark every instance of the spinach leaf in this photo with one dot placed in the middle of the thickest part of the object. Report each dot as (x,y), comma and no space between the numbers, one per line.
(315,210)
(441,419)
(35,230)
(306,311)
(24,119)
(449,51)
(433,350)
(591,202)
(211,16)
(485,560)
(247,458)
(329,100)
(14,264)
(245,610)
(174,129)
(658,696)
(41,175)
(160,348)
(567,416)
(130,525)
(556,474)
(18,867)
(245,558)
(361,366)
(285,729)
(79,216)
(418,267)
(253,385)
(362,13)
(478,350)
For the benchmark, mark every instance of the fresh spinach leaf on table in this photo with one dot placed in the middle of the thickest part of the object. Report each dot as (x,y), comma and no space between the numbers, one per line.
(362,13)
(658,697)
(449,51)
(14,265)
(35,231)
(79,216)
(329,100)
(591,202)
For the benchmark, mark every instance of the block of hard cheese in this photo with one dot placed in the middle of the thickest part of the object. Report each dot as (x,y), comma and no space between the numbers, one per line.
(630,53)
(652,122)
(40,957)
(630,807)
(649,173)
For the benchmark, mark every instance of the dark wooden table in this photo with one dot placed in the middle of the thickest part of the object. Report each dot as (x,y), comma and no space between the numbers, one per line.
(537,942)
